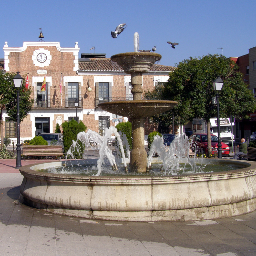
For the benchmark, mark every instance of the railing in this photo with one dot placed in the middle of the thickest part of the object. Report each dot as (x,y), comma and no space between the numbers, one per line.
(41,104)
(56,103)
(70,103)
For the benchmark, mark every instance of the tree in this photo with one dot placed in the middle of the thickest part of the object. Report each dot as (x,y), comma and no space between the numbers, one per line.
(57,129)
(191,84)
(126,128)
(70,131)
(8,99)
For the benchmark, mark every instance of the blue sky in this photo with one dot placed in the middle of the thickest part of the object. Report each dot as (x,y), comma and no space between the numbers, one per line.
(199,26)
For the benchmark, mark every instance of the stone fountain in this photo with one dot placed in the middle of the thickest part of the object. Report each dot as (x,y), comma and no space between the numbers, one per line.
(140,197)
(137,63)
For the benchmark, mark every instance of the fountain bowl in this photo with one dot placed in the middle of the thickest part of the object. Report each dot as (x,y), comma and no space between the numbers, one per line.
(136,61)
(141,197)
(138,108)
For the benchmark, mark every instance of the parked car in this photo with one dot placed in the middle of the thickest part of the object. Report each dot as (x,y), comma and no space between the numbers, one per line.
(168,139)
(253,136)
(199,143)
(53,138)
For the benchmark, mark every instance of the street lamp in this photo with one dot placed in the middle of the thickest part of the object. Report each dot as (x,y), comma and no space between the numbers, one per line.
(217,85)
(76,105)
(17,80)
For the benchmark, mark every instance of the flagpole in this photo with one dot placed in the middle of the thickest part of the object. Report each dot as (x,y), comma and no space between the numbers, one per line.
(61,90)
(44,89)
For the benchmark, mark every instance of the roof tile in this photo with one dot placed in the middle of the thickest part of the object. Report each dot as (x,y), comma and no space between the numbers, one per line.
(106,64)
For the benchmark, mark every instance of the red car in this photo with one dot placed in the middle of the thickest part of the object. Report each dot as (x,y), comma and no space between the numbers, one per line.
(199,143)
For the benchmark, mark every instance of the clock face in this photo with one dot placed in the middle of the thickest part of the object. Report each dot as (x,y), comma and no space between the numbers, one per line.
(41,57)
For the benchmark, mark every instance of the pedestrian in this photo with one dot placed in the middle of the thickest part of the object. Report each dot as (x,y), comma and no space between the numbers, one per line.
(242,150)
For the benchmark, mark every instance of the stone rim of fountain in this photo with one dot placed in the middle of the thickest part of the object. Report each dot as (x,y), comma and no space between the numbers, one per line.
(197,196)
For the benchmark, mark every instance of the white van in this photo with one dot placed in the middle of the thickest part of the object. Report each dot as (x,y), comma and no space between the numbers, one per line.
(226,129)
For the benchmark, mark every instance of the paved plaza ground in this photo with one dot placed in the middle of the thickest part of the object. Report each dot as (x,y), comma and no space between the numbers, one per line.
(28,231)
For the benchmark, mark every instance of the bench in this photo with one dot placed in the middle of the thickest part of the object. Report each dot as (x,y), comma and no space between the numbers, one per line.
(42,151)
(251,153)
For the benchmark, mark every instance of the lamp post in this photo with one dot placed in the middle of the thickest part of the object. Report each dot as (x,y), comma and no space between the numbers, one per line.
(76,105)
(17,80)
(217,85)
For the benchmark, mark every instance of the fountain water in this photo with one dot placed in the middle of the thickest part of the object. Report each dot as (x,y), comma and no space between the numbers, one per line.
(141,197)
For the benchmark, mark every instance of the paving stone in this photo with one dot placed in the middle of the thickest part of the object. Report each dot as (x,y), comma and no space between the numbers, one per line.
(27,231)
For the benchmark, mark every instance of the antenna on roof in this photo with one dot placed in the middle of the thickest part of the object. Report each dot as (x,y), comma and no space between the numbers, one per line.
(41,36)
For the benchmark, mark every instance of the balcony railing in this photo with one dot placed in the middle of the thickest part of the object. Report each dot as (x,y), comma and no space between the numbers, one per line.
(56,103)
(41,104)
(70,103)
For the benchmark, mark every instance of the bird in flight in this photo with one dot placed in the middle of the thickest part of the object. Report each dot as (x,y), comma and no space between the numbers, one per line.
(119,30)
(172,44)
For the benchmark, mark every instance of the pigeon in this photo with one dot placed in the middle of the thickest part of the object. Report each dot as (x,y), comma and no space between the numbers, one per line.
(154,49)
(118,30)
(173,44)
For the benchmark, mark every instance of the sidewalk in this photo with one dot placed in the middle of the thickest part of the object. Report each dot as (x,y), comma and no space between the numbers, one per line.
(27,231)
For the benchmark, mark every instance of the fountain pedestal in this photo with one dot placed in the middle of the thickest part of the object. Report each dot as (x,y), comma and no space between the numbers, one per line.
(137,63)
(138,152)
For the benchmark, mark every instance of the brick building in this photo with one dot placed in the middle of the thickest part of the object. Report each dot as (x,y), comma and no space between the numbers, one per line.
(247,66)
(74,86)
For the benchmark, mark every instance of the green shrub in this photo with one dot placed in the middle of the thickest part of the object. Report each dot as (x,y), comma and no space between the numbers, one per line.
(57,129)
(151,138)
(70,131)
(38,140)
(6,154)
(7,141)
(126,128)
(252,144)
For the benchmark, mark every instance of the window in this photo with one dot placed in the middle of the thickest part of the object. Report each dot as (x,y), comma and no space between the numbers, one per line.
(41,100)
(247,70)
(10,128)
(103,92)
(254,65)
(254,92)
(104,123)
(42,125)
(72,94)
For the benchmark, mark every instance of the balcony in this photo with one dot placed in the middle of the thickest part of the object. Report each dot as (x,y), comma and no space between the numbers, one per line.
(56,103)
(70,103)
(41,104)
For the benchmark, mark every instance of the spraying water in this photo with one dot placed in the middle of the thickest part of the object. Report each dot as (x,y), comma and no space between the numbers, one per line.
(174,159)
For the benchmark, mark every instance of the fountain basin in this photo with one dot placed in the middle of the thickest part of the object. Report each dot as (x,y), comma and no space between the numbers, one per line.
(136,61)
(138,108)
(142,198)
